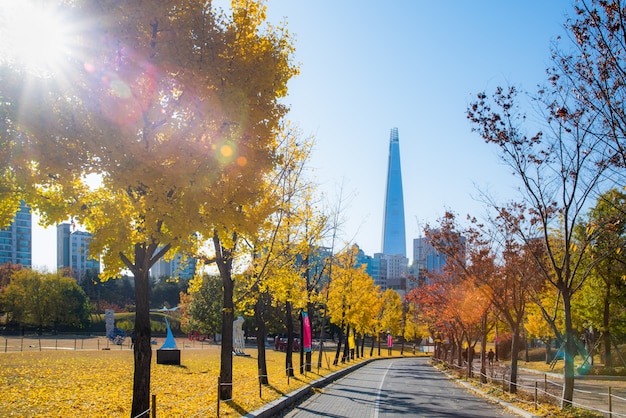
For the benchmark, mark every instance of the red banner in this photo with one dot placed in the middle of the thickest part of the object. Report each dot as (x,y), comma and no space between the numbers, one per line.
(306,332)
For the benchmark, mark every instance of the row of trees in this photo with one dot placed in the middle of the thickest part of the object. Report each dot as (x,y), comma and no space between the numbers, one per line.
(42,300)
(492,277)
(80,299)
(570,155)
(345,298)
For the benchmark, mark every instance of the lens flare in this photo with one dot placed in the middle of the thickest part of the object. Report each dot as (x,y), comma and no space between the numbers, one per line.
(34,35)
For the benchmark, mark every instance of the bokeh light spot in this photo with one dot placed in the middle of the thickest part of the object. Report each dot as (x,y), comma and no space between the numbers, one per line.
(120,89)
(226,150)
(242,161)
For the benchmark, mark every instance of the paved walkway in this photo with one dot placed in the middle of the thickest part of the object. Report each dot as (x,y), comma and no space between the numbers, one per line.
(393,387)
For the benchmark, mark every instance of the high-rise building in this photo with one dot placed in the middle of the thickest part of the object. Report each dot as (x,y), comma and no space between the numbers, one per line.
(427,259)
(392,262)
(394,236)
(427,256)
(16,240)
(73,252)
(176,268)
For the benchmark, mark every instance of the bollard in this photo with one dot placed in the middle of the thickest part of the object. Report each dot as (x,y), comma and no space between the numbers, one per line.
(6,345)
(610,403)
(535,395)
(153,406)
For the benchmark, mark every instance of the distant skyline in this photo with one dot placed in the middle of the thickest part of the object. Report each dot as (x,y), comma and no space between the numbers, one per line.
(367,67)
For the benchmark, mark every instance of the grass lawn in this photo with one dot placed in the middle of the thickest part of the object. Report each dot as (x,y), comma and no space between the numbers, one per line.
(59,382)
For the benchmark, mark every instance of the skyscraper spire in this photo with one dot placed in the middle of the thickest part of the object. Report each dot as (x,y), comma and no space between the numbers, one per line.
(394,238)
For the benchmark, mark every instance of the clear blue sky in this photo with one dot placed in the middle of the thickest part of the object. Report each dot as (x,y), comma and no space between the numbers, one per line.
(369,66)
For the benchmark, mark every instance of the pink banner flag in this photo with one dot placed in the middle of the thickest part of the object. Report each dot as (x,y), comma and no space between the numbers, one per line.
(306,332)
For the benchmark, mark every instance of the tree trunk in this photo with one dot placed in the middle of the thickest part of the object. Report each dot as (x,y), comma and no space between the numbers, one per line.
(339,341)
(289,349)
(548,350)
(261,335)
(224,261)
(322,338)
(373,343)
(569,352)
(606,321)
(346,348)
(483,357)
(363,345)
(226,354)
(470,358)
(514,358)
(143,349)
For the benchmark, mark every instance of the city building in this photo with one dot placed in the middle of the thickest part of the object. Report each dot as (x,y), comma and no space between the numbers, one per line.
(16,240)
(394,235)
(73,252)
(426,259)
(389,269)
(178,267)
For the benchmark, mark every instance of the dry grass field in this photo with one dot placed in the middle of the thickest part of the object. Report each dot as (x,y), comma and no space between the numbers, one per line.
(66,377)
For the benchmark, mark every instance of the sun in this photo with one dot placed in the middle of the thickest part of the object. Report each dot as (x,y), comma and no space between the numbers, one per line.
(35,35)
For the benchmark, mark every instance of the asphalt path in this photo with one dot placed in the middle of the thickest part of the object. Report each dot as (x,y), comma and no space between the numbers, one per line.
(393,387)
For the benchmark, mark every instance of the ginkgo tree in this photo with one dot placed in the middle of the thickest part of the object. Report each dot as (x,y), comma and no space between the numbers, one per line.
(276,248)
(159,125)
(349,289)
(390,315)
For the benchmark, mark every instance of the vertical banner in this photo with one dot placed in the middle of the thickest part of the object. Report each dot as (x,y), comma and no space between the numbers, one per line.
(306,332)
(389,341)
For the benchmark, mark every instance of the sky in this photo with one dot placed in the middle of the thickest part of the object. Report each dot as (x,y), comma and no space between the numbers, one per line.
(367,67)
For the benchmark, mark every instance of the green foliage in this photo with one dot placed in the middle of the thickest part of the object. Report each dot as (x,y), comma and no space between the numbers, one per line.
(202,306)
(166,292)
(45,300)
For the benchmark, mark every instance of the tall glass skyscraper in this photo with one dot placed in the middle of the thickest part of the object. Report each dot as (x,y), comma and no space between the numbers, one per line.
(16,242)
(394,236)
